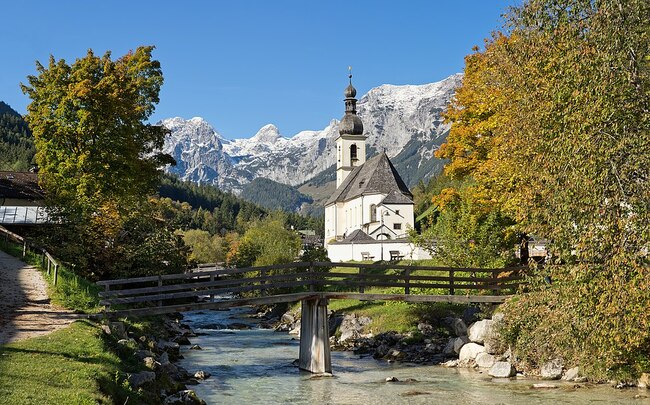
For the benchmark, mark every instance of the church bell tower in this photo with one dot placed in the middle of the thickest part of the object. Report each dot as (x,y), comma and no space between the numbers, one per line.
(351,143)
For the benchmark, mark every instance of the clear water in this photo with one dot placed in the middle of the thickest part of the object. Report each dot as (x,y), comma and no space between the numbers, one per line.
(254,367)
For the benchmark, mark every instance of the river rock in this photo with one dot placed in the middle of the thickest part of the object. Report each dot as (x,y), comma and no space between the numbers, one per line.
(470,315)
(478,331)
(151,363)
(196,347)
(392,379)
(202,375)
(352,326)
(139,379)
(485,360)
(552,370)
(545,386)
(163,358)
(296,329)
(571,374)
(644,380)
(426,329)
(449,347)
(469,352)
(185,397)
(288,318)
(459,342)
(459,327)
(450,363)
(502,369)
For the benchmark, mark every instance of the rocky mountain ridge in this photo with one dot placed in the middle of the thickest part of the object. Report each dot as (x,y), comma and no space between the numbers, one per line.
(405,121)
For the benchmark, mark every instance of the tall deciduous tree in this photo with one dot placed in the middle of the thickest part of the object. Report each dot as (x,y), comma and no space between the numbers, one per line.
(564,102)
(96,153)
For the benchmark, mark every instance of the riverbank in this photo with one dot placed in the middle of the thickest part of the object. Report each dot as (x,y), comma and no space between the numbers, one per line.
(256,365)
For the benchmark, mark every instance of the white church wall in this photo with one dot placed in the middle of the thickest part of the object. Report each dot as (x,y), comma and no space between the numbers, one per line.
(347,252)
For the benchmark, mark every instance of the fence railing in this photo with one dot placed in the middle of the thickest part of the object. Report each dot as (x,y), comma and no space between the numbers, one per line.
(49,263)
(369,280)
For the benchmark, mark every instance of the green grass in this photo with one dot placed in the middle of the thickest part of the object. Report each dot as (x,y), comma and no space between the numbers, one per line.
(71,366)
(71,291)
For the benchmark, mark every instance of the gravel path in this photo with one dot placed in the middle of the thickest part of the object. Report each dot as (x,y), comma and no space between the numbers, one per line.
(25,309)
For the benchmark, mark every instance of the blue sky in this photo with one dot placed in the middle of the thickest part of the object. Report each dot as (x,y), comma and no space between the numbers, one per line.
(244,64)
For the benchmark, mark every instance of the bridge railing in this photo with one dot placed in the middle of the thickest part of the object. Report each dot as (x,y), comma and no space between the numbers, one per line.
(367,280)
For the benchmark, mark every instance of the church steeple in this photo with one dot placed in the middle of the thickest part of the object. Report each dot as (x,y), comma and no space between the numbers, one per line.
(351,143)
(350,123)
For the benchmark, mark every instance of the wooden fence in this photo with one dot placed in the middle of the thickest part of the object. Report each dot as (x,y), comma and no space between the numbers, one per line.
(48,262)
(337,280)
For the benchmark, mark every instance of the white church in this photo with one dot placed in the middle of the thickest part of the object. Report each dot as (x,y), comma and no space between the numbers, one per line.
(371,212)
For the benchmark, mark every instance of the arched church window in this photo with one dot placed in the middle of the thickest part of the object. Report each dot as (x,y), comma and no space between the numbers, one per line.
(353,152)
(373,213)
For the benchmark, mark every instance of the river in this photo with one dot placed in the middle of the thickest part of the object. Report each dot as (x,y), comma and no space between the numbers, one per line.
(255,367)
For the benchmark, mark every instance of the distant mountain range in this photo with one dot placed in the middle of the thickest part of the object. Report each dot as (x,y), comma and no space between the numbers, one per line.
(405,121)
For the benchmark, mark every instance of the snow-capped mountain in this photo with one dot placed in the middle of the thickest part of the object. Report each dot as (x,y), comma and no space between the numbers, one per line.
(405,121)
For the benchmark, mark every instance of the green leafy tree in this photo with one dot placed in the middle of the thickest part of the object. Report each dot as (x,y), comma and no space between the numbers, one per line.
(268,242)
(97,155)
(554,128)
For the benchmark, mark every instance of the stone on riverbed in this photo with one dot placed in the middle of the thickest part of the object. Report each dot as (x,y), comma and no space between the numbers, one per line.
(392,379)
(202,375)
(139,379)
(502,369)
(459,327)
(485,360)
(196,347)
(544,386)
(459,342)
(186,397)
(552,370)
(571,374)
(480,330)
(469,352)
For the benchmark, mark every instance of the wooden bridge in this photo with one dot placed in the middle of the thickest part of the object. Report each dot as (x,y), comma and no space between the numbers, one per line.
(312,283)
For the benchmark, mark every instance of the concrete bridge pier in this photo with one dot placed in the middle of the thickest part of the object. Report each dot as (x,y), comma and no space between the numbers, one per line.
(314,336)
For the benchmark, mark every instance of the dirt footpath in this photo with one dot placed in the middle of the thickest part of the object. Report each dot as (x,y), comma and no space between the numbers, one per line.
(25,309)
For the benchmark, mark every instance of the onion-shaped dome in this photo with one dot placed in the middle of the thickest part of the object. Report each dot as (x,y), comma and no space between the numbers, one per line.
(351,125)
(350,91)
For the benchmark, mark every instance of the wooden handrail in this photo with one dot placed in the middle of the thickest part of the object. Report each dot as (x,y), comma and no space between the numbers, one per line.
(51,261)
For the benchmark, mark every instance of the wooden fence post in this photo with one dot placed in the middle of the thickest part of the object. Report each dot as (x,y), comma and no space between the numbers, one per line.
(107,288)
(312,279)
(495,283)
(48,266)
(361,281)
(262,282)
(407,276)
(24,249)
(56,273)
(451,282)
(211,287)
(160,283)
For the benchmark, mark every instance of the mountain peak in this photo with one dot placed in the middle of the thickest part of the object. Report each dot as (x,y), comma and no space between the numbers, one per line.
(267,134)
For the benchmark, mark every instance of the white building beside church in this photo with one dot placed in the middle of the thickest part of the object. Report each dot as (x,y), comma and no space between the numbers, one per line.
(370,213)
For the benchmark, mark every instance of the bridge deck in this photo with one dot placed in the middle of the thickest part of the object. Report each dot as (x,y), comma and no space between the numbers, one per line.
(298,281)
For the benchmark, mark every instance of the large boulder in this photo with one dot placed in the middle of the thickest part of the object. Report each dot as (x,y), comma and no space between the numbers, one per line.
(478,331)
(459,342)
(459,327)
(571,374)
(139,379)
(502,369)
(469,352)
(449,347)
(552,370)
(485,360)
(186,397)
(352,326)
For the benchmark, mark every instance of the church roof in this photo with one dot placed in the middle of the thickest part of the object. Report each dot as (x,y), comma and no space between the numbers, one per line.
(375,176)
(357,236)
(396,197)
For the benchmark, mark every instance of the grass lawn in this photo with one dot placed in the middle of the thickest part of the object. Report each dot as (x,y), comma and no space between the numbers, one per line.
(70,366)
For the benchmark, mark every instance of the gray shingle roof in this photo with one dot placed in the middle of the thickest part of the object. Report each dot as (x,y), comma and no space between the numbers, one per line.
(375,176)
(357,236)
(395,197)
(20,185)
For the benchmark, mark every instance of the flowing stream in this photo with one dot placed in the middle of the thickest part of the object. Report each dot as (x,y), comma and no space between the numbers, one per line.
(255,367)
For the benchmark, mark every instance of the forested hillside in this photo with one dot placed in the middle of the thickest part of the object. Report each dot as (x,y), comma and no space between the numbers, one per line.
(274,195)
(16,141)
